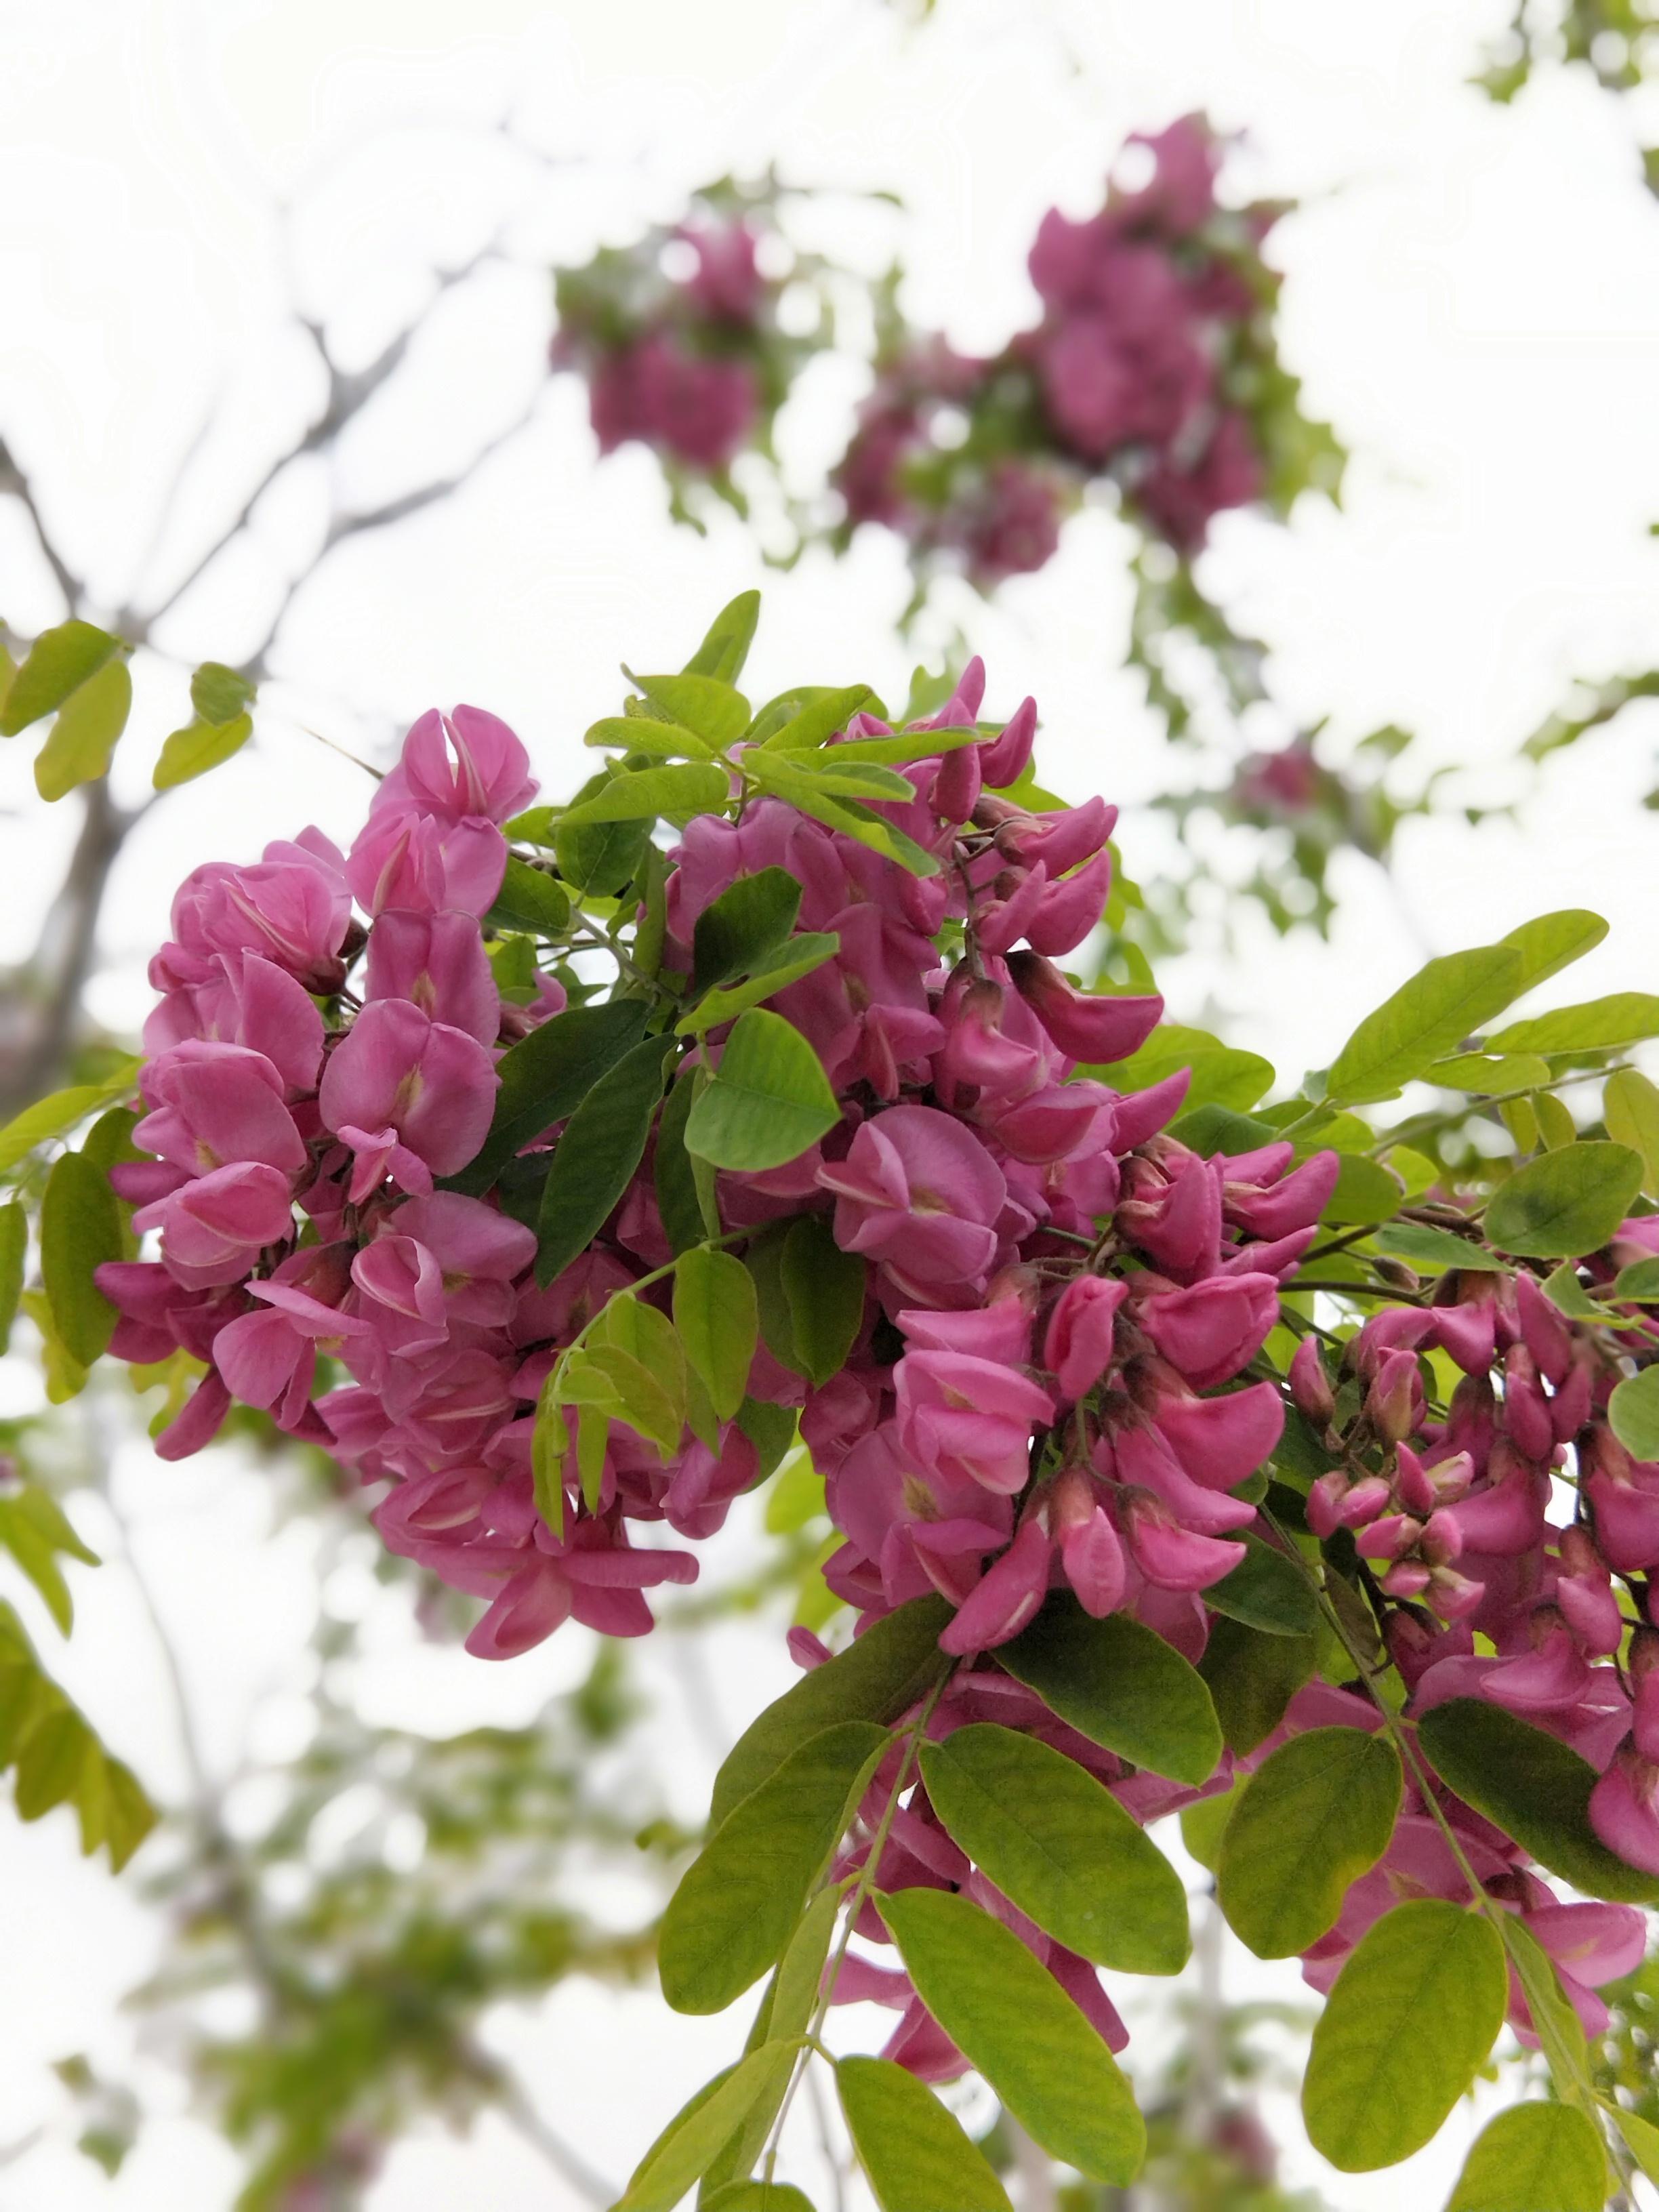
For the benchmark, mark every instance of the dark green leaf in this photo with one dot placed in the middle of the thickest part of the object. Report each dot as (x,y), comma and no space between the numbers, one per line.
(738,1903)
(1432,1251)
(596,1158)
(545,1077)
(1120,1685)
(80,1228)
(1425,1019)
(199,746)
(647,793)
(1564,1203)
(1060,1846)
(58,664)
(1314,1817)
(1534,2158)
(715,1313)
(786,963)
(726,648)
(14,1252)
(598,859)
(751,917)
(52,1759)
(914,2153)
(769,1099)
(78,747)
(1015,2024)
(770,1429)
(1268,1590)
(1599,1025)
(1412,2016)
(672,1168)
(879,1677)
(1536,1789)
(825,1289)
(1252,1678)
(530,899)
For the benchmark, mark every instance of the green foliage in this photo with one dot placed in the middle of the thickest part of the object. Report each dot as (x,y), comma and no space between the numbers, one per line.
(1600,1025)
(641,794)
(80,1228)
(915,2155)
(772,972)
(60,1112)
(734,1912)
(1534,2158)
(1410,2021)
(1313,1818)
(726,648)
(1630,1107)
(1058,1844)
(82,738)
(220,727)
(1013,2021)
(749,919)
(1268,1590)
(595,1159)
(1537,1789)
(530,899)
(876,1678)
(715,1313)
(55,1756)
(1120,1685)
(1634,1413)
(58,663)
(768,1101)
(1425,1019)
(1565,1203)
(824,1288)
(545,1077)
(1252,1678)
(14,1255)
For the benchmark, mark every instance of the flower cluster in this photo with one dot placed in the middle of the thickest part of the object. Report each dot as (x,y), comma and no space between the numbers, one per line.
(1055,1386)
(1153,367)
(679,337)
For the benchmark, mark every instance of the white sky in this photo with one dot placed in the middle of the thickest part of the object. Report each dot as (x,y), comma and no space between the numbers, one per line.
(1472,298)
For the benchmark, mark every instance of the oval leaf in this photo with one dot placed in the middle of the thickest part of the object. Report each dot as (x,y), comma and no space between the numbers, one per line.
(1266,1590)
(1011,2020)
(714,1312)
(914,2153)
(700,2131)
(1426,1019)
(1633,1413)
(738,1902)
(595,1159)
(769,1099)
(705,705)
(1630,1107)
(58,664)
(14,1252)
(80,1228)
(1060,1846)
(824,1287)
(1564,1203)
(1411,2018)
(878,1678)
(1534,2158)
(1431,1250)
(750,919)
(1120,1685)
(1599,1025)
(1252,1678)
(84,737)
(1551,942)
(1314,1817)
(545,1077)
(726,648)
(199,746)
(1537,1789)
(648,792)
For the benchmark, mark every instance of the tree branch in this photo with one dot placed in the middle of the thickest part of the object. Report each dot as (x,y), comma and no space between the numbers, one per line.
(14,480)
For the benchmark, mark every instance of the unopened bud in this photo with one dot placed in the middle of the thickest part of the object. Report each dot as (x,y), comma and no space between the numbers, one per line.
(1396,1274)
(1309,1387)
(1390,1403)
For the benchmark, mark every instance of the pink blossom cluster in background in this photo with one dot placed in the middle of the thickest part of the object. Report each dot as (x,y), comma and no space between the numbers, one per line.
(1152,367)
(1056,1385)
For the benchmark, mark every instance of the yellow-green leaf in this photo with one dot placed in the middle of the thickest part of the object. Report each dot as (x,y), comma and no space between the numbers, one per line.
(82,740)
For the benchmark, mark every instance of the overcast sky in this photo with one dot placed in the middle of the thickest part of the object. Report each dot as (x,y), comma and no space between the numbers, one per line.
(1471,296)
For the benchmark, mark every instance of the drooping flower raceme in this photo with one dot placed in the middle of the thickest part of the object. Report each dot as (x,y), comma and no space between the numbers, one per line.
(1040,1333)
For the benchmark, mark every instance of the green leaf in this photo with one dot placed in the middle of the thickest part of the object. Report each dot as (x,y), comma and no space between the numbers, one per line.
(1564,1203)
(752,918)
(849,816)
(639,733)
(1630,1107)
(674,1172)
(814,719)
(1476,1072)
(58,664)
(1423,1021)
(1412,2016)
(773,972)
(1119,1684)
(1638,1284)
(739,1901)
(596,1158)
(907,745)
(34,1529)
(879,1677)
(715,1313)
(1268,1590)
(1537,1789)
(1551,942)
(596,859)
(1221,1075)
(618,1382)
(1534,2158)
(1641,2139)
(914,2152)
(646,793)
(825,1289)
(1633,1413)
(846,779)
(725,649)
(80,1228)
(78,748)
(218,694)
(709,709)
(1559,2031)
(1014,2023)
(682,2153)
(530,899)
(1060,1846)
(1204,1825)
(14,1253)
(545,1077)
(758,2197)
(769,1099)
(198,746)
(1432,1251)
(1252,1678)
(1365,1190)
(1313,1818)
(1599,1025)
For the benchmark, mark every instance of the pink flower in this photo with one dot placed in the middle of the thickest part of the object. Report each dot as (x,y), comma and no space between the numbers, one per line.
(293,909)
(214,1104)
(213,1230)
(247,1000)
(438,963)
(1215,1328)
(1078,1347)
(961,1415)
(459,766)
(396,1071)
(920,1192)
